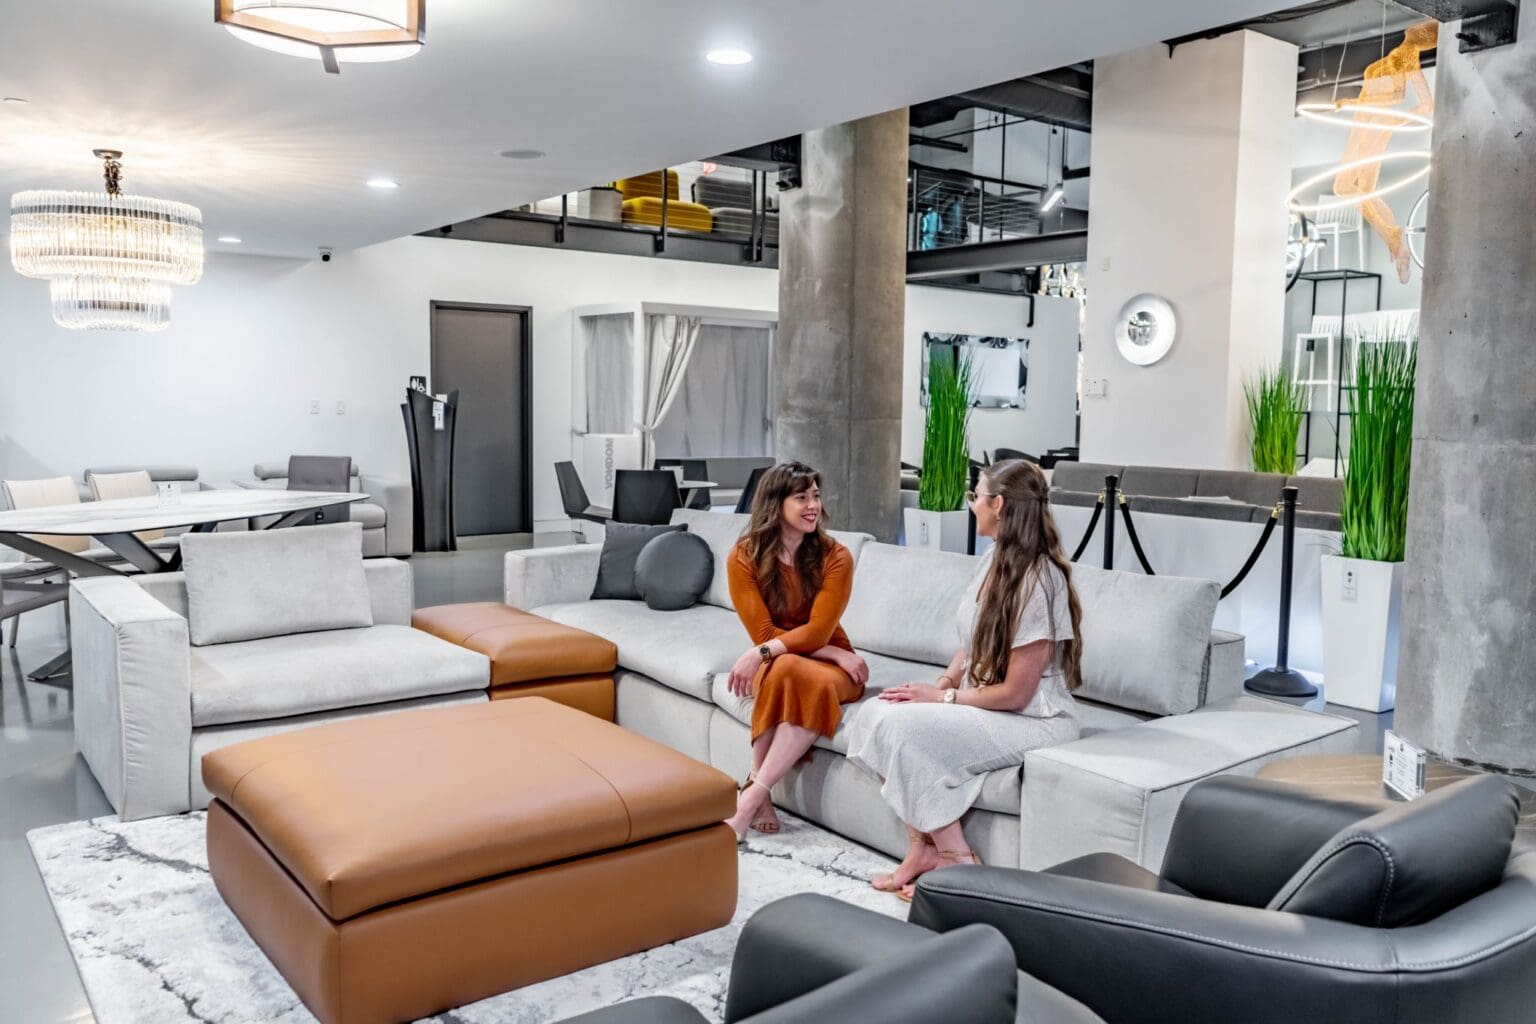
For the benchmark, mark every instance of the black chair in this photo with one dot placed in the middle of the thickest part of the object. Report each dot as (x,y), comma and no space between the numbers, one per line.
(645,496)
(573,496)
(692,469)
(1277,905)
(748,492)
(811,958)
(321,473)
(1003,454)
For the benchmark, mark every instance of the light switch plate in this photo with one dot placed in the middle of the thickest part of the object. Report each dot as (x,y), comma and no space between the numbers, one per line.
(341,408)
(1095,387)
(314,407)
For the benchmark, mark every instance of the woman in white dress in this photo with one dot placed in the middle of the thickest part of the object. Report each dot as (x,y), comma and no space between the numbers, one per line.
(1006,691)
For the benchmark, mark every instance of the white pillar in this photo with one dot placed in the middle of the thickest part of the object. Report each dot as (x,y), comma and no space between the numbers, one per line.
(1191,165)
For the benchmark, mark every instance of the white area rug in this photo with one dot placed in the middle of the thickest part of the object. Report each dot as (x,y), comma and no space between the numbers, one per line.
(155,943)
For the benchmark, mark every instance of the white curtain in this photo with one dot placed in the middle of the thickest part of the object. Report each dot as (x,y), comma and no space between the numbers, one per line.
(610,361)
(669,344)
(723,405)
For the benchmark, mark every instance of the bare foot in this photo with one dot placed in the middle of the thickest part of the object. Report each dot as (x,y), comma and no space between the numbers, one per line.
(920,859)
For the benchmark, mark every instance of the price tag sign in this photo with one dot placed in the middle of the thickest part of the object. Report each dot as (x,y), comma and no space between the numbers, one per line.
(1402,767)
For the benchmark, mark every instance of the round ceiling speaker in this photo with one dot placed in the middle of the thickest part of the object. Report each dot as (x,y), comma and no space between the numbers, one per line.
(1145,329)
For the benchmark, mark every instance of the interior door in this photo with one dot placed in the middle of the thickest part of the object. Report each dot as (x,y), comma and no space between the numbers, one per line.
(485,352)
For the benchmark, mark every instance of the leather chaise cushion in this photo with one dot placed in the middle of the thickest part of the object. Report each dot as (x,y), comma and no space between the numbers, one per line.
(1412,862)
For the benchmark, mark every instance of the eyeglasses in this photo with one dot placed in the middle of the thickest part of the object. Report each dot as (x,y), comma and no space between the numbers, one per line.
(972,496)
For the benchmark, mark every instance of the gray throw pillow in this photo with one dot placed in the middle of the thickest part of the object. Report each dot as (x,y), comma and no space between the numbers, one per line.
(673,571)
(616,565)
(252,585)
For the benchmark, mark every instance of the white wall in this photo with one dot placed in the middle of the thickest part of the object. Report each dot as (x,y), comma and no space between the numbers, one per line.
(1048,419)
(1191,167)
(250,346)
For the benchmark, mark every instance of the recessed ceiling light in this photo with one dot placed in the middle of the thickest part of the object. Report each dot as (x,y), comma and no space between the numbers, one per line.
(383,183)
(522,154)
(728,57)
(230,240)
(13,99)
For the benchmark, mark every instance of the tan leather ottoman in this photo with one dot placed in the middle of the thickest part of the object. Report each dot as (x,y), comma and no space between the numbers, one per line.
(396,866)
(530,656)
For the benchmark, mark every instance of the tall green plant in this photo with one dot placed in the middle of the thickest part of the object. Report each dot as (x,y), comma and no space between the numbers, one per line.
(1276,407)
(946,445)
(1374,507)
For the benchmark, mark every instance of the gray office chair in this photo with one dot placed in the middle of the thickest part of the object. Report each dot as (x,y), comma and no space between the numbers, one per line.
(692,469)
(573,496)
(749,492)
(645,496)
(321,473)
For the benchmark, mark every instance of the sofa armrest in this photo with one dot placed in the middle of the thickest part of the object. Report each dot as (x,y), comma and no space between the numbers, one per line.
(133,695)
(1118,791)
(539,576)
(1171,957)
(394,496)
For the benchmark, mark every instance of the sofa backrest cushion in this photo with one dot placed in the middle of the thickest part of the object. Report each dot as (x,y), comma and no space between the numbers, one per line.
(1146,639)
(1083,476)
(1159,482)
(1317,493)
(905,600)
(279,470)
(251,585)
(1248,488)
(622,544)
(1411,862)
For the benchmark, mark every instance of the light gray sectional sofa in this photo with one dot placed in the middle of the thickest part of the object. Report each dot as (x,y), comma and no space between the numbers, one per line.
(1162,705)
(1230,495)
(163,675)
(386,515)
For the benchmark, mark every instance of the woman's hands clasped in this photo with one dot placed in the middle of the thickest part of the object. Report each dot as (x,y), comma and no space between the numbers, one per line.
(744,671)
(853,664)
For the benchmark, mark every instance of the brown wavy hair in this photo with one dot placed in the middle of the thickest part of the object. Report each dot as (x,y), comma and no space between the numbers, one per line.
(761,542)
(1026,541)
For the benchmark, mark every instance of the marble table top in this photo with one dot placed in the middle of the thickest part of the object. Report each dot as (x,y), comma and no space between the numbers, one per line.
(130,515)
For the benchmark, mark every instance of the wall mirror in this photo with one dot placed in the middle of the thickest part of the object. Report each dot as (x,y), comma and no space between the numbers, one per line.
(999,366)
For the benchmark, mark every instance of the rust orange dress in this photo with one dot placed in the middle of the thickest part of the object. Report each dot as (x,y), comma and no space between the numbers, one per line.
(795,688)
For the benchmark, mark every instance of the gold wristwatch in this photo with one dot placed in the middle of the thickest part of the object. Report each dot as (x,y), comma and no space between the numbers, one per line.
(766,652)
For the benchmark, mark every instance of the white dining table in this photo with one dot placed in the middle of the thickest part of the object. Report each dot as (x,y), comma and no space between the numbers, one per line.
(115,523)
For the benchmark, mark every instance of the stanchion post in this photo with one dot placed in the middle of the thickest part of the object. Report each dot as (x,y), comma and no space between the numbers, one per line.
(1282,680)
(1111,498)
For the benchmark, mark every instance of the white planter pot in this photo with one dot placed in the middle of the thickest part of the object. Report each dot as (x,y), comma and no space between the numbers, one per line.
(941,531)
(1362,605)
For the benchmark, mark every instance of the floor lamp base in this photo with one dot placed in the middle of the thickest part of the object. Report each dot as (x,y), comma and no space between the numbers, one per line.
(1280,682)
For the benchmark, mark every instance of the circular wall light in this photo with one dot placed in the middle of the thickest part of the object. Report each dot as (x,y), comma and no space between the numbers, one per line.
(1320,205)
(1415,226)
(728,57)
(1145,329)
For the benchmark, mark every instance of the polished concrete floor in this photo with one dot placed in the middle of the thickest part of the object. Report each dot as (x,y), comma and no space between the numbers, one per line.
(43,782)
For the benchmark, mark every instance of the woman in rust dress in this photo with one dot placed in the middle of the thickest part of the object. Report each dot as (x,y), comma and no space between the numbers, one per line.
(790,582)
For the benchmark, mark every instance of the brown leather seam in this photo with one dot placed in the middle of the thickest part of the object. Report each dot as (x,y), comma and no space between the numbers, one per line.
(629,818)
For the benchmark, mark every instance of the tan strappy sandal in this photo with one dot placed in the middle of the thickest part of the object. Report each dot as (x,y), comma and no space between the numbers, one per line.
(949,857)
(767,821)
(887,883)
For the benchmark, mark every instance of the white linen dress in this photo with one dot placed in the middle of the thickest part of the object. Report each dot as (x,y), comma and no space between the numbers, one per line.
(934,757)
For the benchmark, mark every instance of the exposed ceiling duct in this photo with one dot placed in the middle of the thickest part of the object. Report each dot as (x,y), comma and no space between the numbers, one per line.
(1063,97)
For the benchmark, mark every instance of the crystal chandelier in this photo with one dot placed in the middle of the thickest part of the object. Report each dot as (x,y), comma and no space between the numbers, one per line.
(331,31)
(110,259)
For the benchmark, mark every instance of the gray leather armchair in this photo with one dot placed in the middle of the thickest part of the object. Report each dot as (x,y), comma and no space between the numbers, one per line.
(811,958)
(1274,905)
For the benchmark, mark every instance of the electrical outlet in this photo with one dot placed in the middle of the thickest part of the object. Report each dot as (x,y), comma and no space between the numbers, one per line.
(341,408)
(1351,586)
(1104,263)
(314,407)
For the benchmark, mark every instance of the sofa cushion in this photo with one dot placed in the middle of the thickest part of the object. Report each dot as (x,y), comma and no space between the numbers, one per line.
(281,676)
(250,585)
(721,531)
(1203,508)
(1317,493)
(1157,481)
(682,650)
(367,514)
(1083,476)
(1096,718)
(1145,638)
(1248,488)
(673,571)
(616,565)
(904,602)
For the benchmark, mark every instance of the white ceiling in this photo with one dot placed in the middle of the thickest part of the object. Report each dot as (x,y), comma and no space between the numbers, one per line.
(276,151)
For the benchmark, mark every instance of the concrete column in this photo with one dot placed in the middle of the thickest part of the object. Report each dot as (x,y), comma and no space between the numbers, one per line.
(1191,165)
(842,292)
(1468,642)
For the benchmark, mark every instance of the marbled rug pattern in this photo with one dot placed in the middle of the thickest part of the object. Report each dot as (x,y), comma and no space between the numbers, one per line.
(156,945)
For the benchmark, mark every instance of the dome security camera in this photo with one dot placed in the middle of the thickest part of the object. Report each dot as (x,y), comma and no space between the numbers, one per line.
(325,254)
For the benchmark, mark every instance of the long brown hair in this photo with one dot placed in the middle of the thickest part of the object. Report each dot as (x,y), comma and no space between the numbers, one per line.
(1026,543)
(762,540)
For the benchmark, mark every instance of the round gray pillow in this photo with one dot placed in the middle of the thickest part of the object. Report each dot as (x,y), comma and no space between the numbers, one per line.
(673,570)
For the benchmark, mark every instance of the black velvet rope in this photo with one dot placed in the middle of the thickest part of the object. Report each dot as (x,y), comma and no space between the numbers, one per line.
(1258,550)
(1098,508)
(1130,530)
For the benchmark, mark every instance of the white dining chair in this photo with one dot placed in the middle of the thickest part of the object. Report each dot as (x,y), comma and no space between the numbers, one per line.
(136,484)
